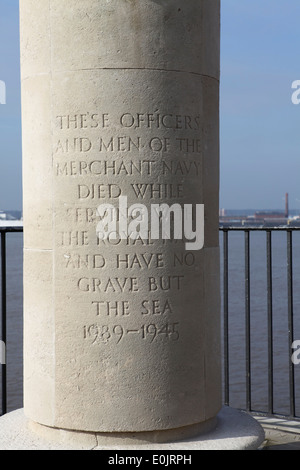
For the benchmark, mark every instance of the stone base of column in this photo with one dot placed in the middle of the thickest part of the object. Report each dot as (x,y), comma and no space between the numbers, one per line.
(233,430)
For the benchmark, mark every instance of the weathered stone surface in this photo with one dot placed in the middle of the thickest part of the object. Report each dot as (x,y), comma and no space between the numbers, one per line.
(235,430)
(120,98)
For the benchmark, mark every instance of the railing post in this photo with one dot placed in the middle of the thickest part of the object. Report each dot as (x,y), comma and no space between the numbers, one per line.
(3,319)
(270,321)
(247,320)
(290,319)
(225,311)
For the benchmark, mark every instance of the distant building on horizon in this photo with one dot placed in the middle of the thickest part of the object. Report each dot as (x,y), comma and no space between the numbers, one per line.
(260,217)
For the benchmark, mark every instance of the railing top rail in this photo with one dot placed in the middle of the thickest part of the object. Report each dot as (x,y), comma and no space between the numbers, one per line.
(20,229)
(223,228)
(258,229)
(15,228)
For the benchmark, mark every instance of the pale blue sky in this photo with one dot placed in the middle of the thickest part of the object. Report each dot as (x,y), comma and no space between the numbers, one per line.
(10,119)
(260,127)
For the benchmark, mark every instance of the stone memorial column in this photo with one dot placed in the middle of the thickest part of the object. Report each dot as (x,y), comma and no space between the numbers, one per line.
(120,104)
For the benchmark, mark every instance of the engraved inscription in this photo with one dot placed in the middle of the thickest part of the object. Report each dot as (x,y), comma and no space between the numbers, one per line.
(102,157)
(96,333)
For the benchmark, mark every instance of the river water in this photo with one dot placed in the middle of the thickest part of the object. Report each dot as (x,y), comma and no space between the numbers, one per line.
(259,351)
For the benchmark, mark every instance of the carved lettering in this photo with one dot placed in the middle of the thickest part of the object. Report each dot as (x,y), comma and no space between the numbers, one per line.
(180,168)
(140,261)
(157,190)
(105,168)
(119,144)
(75,145)
(77,261)
(93,162)
(116,309)
(99,191)
(159,121)
(73,238)
(184,259)
(155,307)
(108,286)
(165,283)
(103,334)
(189,145)
(82,121)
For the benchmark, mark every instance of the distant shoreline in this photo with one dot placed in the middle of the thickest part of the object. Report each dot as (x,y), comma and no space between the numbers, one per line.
(11,223)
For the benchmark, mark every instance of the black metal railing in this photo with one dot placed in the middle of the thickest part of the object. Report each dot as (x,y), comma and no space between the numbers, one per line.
(286,276)
(3,233)
(244,272)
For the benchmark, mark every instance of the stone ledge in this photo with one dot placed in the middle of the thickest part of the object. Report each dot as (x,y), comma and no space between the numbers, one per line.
(235,430)
(280,433)
(279,424)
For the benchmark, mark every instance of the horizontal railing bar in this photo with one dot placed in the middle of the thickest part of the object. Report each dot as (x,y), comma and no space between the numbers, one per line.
(258,229)
(221,227)
(11,229)
(20,229)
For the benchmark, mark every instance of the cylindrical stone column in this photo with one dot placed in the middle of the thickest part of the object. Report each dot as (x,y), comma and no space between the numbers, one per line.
(120,106)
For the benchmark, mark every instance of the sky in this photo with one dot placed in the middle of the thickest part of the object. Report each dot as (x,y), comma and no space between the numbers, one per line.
(10,113)
(260,126)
